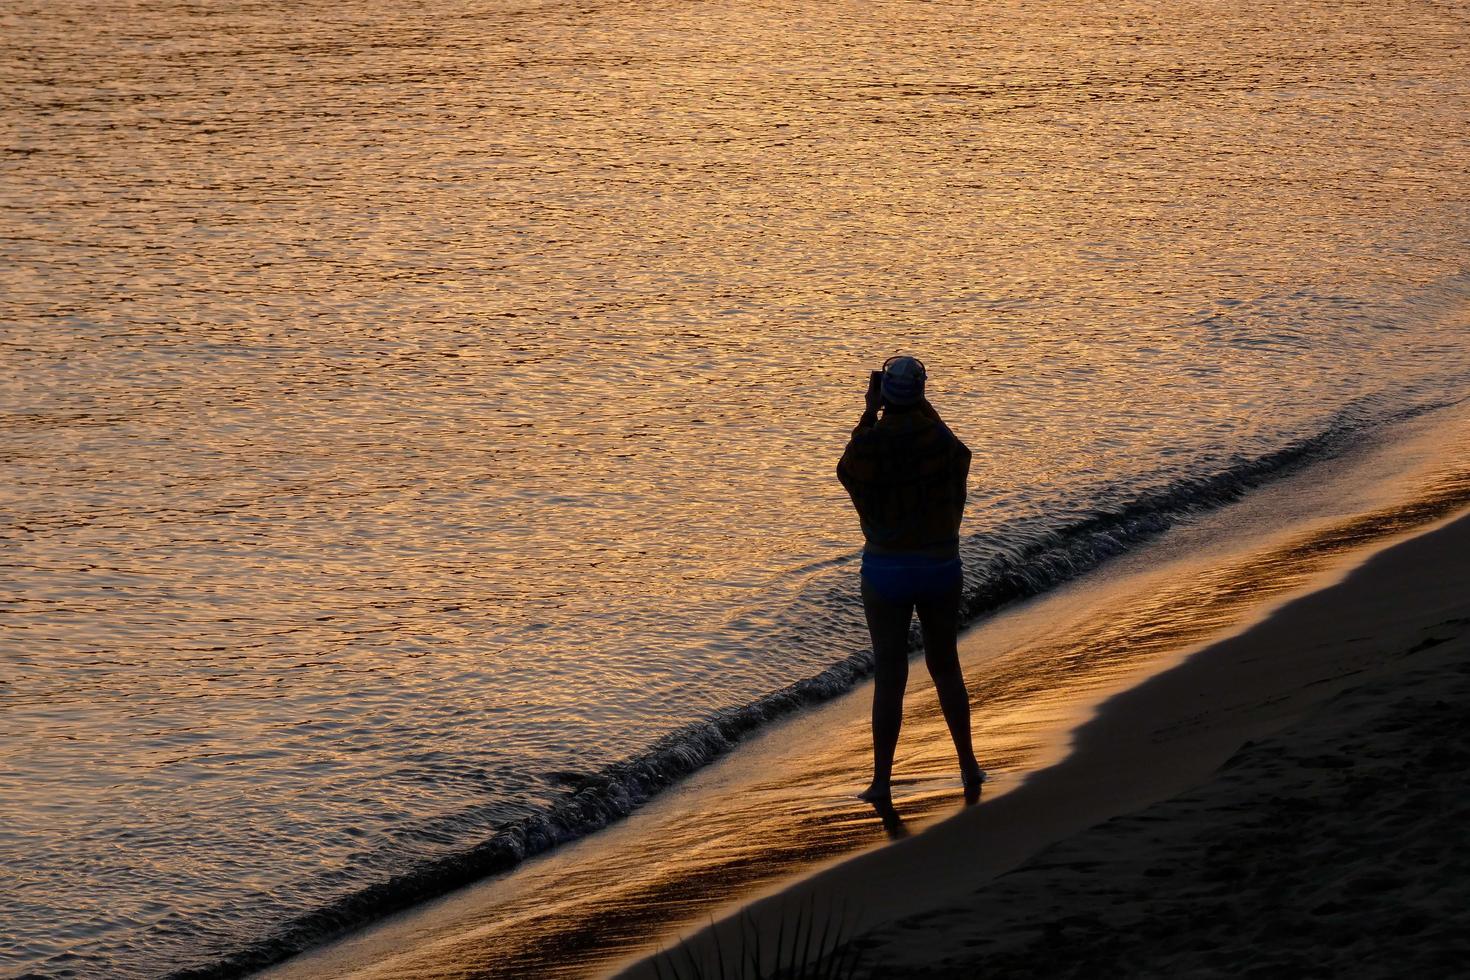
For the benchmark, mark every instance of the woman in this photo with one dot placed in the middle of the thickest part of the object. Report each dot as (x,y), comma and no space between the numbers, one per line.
(906,475)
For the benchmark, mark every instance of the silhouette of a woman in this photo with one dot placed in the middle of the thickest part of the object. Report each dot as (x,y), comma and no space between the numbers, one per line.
(906,473)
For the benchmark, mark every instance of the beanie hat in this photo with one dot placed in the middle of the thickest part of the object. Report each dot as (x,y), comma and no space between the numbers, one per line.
(903,380)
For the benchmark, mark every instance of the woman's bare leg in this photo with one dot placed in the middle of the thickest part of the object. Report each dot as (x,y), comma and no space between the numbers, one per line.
(939,619)
(888,624)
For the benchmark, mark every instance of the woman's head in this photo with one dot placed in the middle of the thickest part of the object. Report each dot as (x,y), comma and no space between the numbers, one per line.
(903,380)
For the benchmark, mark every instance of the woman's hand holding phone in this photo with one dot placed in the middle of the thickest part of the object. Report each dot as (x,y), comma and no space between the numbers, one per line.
(875,391)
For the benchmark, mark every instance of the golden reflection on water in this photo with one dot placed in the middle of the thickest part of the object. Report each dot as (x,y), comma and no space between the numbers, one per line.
(405,404)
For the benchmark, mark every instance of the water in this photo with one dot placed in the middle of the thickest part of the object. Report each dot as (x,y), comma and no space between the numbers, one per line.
(414,413)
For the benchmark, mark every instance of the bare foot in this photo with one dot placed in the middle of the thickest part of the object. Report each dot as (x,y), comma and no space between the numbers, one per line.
(972,777)
(889,815)
(877,793)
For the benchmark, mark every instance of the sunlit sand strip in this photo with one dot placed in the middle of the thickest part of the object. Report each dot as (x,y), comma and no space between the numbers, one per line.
(1321,831)
(781,806)
(1147,744)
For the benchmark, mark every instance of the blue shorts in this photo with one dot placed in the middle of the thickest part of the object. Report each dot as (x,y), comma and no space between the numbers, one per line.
(910,578)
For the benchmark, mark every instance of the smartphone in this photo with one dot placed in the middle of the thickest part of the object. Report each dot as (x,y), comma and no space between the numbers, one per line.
(875,382)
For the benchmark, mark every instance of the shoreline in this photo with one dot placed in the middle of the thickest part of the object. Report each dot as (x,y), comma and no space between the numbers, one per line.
(779,812)
(925,902)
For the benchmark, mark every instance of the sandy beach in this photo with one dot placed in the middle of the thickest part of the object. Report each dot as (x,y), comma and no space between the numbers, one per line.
(1288,801)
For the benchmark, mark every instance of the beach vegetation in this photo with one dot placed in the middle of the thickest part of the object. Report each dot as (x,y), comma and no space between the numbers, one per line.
(811,944)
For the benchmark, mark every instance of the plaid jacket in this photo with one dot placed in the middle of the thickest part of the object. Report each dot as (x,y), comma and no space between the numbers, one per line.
(906,475)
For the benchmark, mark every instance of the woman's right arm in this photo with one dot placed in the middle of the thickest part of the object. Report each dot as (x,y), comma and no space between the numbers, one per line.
(856,465)
(872,401)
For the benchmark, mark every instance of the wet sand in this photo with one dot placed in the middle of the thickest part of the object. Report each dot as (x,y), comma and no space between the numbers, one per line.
(1295,800)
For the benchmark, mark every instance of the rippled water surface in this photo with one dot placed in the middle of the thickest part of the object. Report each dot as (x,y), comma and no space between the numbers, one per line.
(411,411)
